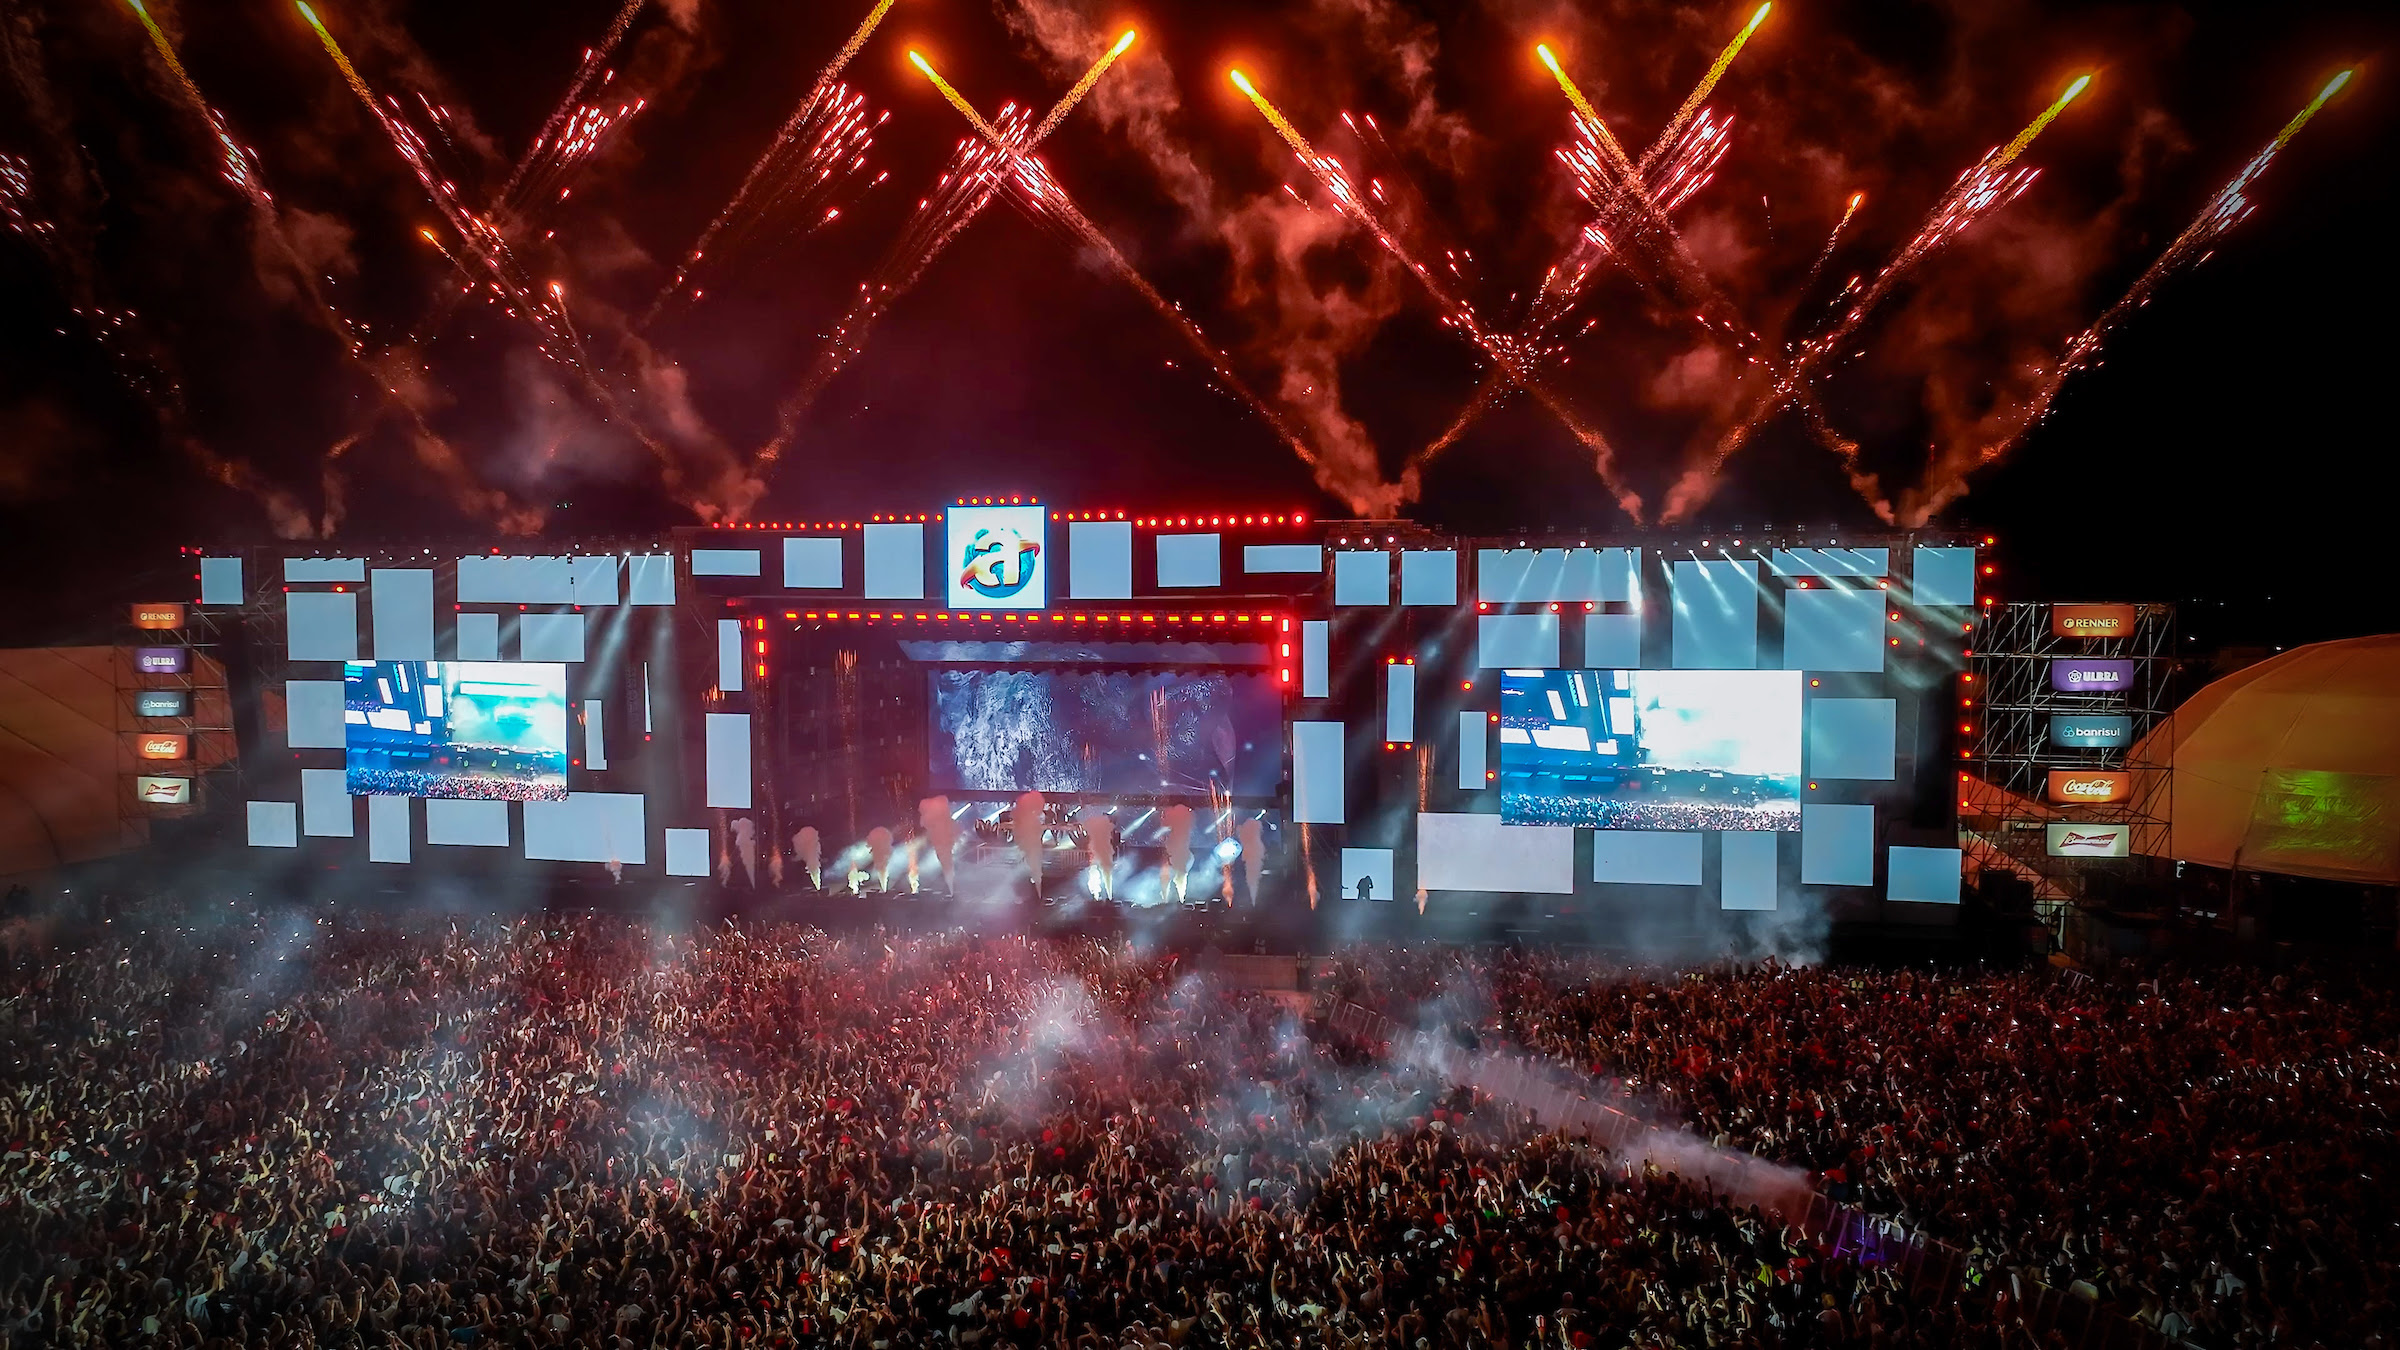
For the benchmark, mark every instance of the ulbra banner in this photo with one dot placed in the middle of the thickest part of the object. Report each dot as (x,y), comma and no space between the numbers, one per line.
(2089,786)
(2090,841)
(2091,621)
(2090,677)
(2087,733)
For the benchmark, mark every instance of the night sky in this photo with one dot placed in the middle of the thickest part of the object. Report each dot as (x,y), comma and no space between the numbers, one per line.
(2223,452)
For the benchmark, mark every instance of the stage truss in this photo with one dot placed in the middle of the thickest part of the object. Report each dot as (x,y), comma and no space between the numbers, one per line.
(2012,750)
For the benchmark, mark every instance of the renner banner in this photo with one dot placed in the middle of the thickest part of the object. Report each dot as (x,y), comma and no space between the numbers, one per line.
(2090,733)
(2090,677)
(160,618)
(2091,621)
(2090,785)
(2090,841)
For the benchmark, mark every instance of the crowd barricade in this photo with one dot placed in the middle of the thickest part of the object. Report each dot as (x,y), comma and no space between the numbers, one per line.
(1924,1265)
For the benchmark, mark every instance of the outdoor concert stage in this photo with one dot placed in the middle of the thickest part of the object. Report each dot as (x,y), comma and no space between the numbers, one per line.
(1036,709)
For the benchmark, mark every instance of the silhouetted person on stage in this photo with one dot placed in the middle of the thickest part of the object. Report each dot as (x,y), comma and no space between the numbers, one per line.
(1366,888)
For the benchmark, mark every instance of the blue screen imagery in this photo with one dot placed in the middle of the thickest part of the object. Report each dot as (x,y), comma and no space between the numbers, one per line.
(487,730)
(1651,749)
(1191,733)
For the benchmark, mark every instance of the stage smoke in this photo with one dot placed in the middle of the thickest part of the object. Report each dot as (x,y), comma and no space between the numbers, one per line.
(809,850)
(941,837)
(1178,820)
(1026,828)
(1100,832)
(879,857)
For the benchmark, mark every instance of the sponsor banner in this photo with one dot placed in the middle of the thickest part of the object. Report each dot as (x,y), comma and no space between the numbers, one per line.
(163,791)
(994,558)
(158,660)
(2091,621)
(2077,840)
(162,746)
(165,618)
(2090,677)
(2089,733)
(2090,785)
(162,703)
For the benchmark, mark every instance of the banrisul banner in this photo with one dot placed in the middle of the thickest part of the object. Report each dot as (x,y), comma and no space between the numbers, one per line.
(2090,677)
(161,703)
(2090,841)
(2090,733)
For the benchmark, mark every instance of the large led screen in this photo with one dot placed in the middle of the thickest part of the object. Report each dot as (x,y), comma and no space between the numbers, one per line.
(1187,733)
(455,729)
(1651,749)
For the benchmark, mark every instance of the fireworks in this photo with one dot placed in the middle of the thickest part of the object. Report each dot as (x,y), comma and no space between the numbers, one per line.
(1707,85)
(817,154)
(1988,185)
(1631,204)
(1507,353)
(976,172)
(817,160)
(1030,182)
(483,241)
(543,157)
(1947,478)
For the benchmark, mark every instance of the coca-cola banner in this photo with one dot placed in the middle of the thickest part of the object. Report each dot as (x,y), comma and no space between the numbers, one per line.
(2090,785)
(2090,677)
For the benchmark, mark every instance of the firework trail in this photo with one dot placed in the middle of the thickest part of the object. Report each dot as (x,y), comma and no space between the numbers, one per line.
(484,242)
(820,149)
(546,149)
(1825,254)
(976,173)
(1946,479)
(1029,183)
(1707,85)
(1505,351)
(1988,185)
(241,171)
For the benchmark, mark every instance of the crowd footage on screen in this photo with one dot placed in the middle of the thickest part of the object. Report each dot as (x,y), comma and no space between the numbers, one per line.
(235,1126)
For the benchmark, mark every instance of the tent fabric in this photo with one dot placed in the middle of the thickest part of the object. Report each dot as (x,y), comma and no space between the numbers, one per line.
(2291,765)
(66,752)
(59,749)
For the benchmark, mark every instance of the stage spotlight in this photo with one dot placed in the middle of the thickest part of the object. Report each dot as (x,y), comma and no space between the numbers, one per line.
(1228,850)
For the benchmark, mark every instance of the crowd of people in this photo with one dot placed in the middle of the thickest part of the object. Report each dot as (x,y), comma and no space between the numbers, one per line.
(237,1126)
(2211,1152)
(1644,813)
